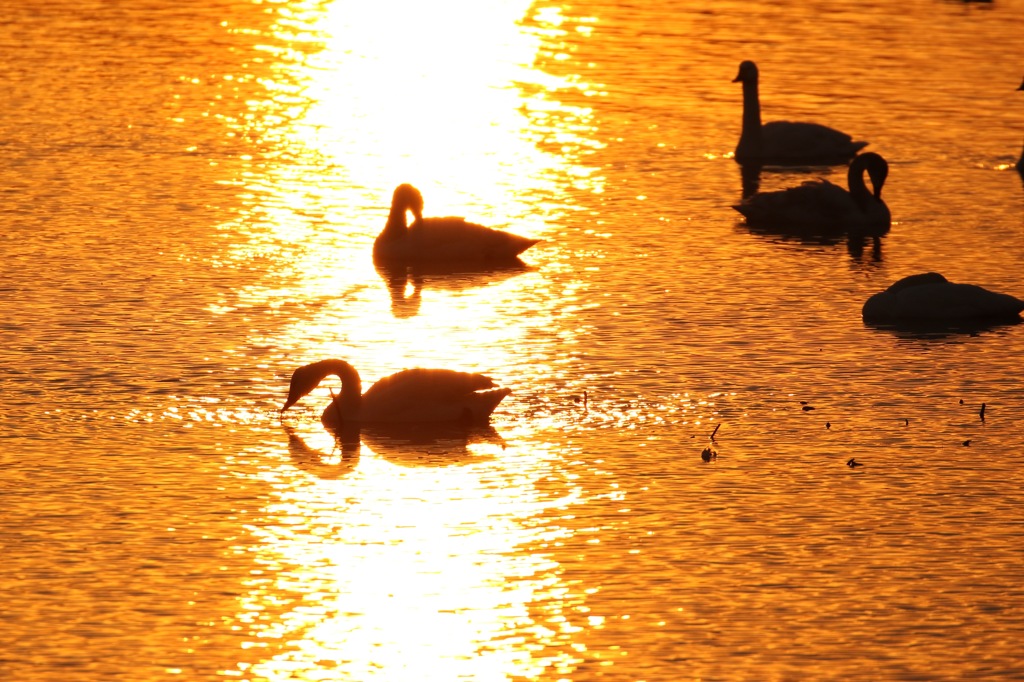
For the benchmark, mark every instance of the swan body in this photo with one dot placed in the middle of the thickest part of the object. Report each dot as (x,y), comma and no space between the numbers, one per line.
(786,142)
(822,207)
(930,297)
(441,240)
(412,395)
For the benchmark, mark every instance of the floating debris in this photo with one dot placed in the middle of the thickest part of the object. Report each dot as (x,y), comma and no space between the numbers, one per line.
(718,426)
(906,422)
(828,425)
(807,408)
(981,412)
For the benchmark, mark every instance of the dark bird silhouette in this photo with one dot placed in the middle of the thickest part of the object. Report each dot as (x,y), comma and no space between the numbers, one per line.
(966,442)
(853,463)
(981,412)
(412,395)
(441,240)
(1020,162)
(785,142)
(820,207)
(708,454)
(828,425)
(930,297)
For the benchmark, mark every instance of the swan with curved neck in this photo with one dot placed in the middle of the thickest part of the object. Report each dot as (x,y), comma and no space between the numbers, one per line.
(786,142)
(441,240)
(930,297)
(1020,162)
(412,395)
(822,207)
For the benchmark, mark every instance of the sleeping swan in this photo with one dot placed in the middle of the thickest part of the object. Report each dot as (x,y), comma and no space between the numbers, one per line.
(412,395)
(930,297)
(786,142)
(821,207)
(434,240)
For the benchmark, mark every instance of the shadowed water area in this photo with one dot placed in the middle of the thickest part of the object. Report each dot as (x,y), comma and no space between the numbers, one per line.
(189,196)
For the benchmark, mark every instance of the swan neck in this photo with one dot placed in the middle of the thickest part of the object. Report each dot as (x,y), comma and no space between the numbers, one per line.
(351,396)
(750,136)
(396,227)
(858,188)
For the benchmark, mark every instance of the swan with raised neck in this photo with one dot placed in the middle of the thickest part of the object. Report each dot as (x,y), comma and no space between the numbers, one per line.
(441,240)
(821,207)
(785,142)
(412,395)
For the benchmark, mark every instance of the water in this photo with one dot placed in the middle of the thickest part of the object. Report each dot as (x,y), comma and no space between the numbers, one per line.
(190,194)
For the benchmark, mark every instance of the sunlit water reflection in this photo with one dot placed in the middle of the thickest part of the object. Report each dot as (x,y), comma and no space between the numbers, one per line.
(192,195)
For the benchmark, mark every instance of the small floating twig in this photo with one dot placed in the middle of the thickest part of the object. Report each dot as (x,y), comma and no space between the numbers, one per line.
(715,431)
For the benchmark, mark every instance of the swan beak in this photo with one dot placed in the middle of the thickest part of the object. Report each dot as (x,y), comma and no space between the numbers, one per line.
(738,78)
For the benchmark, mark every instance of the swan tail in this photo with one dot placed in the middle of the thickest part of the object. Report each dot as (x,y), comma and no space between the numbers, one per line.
(483,404)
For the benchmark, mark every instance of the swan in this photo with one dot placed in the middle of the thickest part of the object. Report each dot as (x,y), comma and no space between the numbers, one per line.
(1020,162)
(822,207)
(432,240)
(930,297)
(786,142)
(412,395)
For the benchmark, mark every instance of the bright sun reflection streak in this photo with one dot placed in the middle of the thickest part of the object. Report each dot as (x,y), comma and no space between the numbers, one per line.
(386,569)
(425,587)
(405,94)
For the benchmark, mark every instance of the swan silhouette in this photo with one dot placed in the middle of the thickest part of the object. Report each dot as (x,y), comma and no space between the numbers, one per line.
(440,240)
(786,142)
(1020,162)
(822,207)
(409,396)
(930,297)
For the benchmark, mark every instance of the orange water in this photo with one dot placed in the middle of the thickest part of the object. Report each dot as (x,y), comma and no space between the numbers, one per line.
(190,195)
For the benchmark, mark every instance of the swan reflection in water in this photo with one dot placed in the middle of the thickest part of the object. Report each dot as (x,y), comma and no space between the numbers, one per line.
(408,445)
(441,277)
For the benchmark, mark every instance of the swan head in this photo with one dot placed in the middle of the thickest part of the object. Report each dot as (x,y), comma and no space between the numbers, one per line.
(304,380)
(408,198)
(747,73)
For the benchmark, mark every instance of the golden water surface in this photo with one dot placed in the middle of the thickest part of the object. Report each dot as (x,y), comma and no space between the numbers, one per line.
(190,192)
